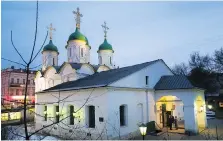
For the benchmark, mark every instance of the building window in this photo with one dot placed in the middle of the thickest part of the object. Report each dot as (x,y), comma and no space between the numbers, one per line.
(28,81)
(90,111)
(57,114)
(100,60)
(110,61)
(71,115)
(12,80)
(70,52)
(17,81)
(147,80)
(82,52)
(53,62)
(11,92)
(123,115)
(45,113)
(17,92)
(33,81)
(24,81)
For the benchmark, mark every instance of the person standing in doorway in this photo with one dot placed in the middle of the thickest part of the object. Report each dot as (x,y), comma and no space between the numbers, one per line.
(170,122)
(175,122)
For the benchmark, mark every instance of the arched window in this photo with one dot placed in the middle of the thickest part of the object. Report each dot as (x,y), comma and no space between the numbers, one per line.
(123,115)
(53,62)
(90,116)
(100,60)
(57,119)
(82,52)
(45,112)
(70,51)
(140,112)
(71,115)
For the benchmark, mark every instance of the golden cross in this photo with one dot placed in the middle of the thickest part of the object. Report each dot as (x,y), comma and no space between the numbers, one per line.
(78,18)
(51,29)
(105,29)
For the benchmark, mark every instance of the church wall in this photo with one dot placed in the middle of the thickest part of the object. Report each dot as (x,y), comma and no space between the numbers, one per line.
(86,69)
(132,98)
(104,58)
(68,73)
(98,98)
(102,68)
(107,102)
(74,52)
(138,79)
(47,58)
(39,83)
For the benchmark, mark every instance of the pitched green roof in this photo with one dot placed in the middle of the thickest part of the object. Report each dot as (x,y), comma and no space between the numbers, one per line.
(105,46)
(50,47)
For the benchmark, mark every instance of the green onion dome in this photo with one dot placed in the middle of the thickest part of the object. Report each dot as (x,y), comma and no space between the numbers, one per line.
(105,46)
(77,35)
(50,47)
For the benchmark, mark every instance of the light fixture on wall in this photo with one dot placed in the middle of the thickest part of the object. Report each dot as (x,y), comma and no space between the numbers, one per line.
(210,107)
(57,113)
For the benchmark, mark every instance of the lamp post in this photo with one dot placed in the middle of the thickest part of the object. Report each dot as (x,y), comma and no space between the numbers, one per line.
(143,129)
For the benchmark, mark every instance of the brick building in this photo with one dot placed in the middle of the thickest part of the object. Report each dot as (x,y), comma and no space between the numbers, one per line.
(13,83)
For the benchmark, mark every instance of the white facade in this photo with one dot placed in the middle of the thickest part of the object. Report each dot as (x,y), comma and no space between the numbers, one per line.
(138,100)
(78,52)
(49,58)
(105,57)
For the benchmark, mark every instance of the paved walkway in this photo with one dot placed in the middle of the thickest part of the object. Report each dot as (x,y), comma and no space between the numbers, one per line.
(210,133)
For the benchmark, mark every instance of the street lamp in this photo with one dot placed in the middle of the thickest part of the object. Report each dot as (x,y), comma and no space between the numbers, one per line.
(143,129)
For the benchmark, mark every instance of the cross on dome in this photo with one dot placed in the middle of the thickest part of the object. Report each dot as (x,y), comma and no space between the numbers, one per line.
(51,29)
(104,26)
(78,17)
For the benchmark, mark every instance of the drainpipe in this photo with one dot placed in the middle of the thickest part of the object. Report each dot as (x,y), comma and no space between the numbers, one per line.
(147,107)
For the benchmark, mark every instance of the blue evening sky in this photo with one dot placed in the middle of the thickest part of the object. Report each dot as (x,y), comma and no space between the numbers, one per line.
(139,31)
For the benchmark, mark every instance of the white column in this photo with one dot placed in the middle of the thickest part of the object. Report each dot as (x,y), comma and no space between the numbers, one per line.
(190,122)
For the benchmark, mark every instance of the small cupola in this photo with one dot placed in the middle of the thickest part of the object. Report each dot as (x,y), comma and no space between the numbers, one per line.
(50,46)
(105,45)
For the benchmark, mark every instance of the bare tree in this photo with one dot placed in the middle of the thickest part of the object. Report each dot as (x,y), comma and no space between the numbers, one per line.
(204,62)
(218,59)
(27,64)
(181,69)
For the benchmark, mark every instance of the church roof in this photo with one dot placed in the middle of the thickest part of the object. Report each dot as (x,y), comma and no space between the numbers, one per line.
(76,65)
(170,82)
(101,79)
(105,46)
(50,47)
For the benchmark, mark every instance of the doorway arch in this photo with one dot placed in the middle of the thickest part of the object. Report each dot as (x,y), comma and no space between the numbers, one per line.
(169,105)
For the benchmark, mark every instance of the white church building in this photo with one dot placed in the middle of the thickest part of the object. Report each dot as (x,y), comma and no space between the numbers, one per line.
(78,100)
